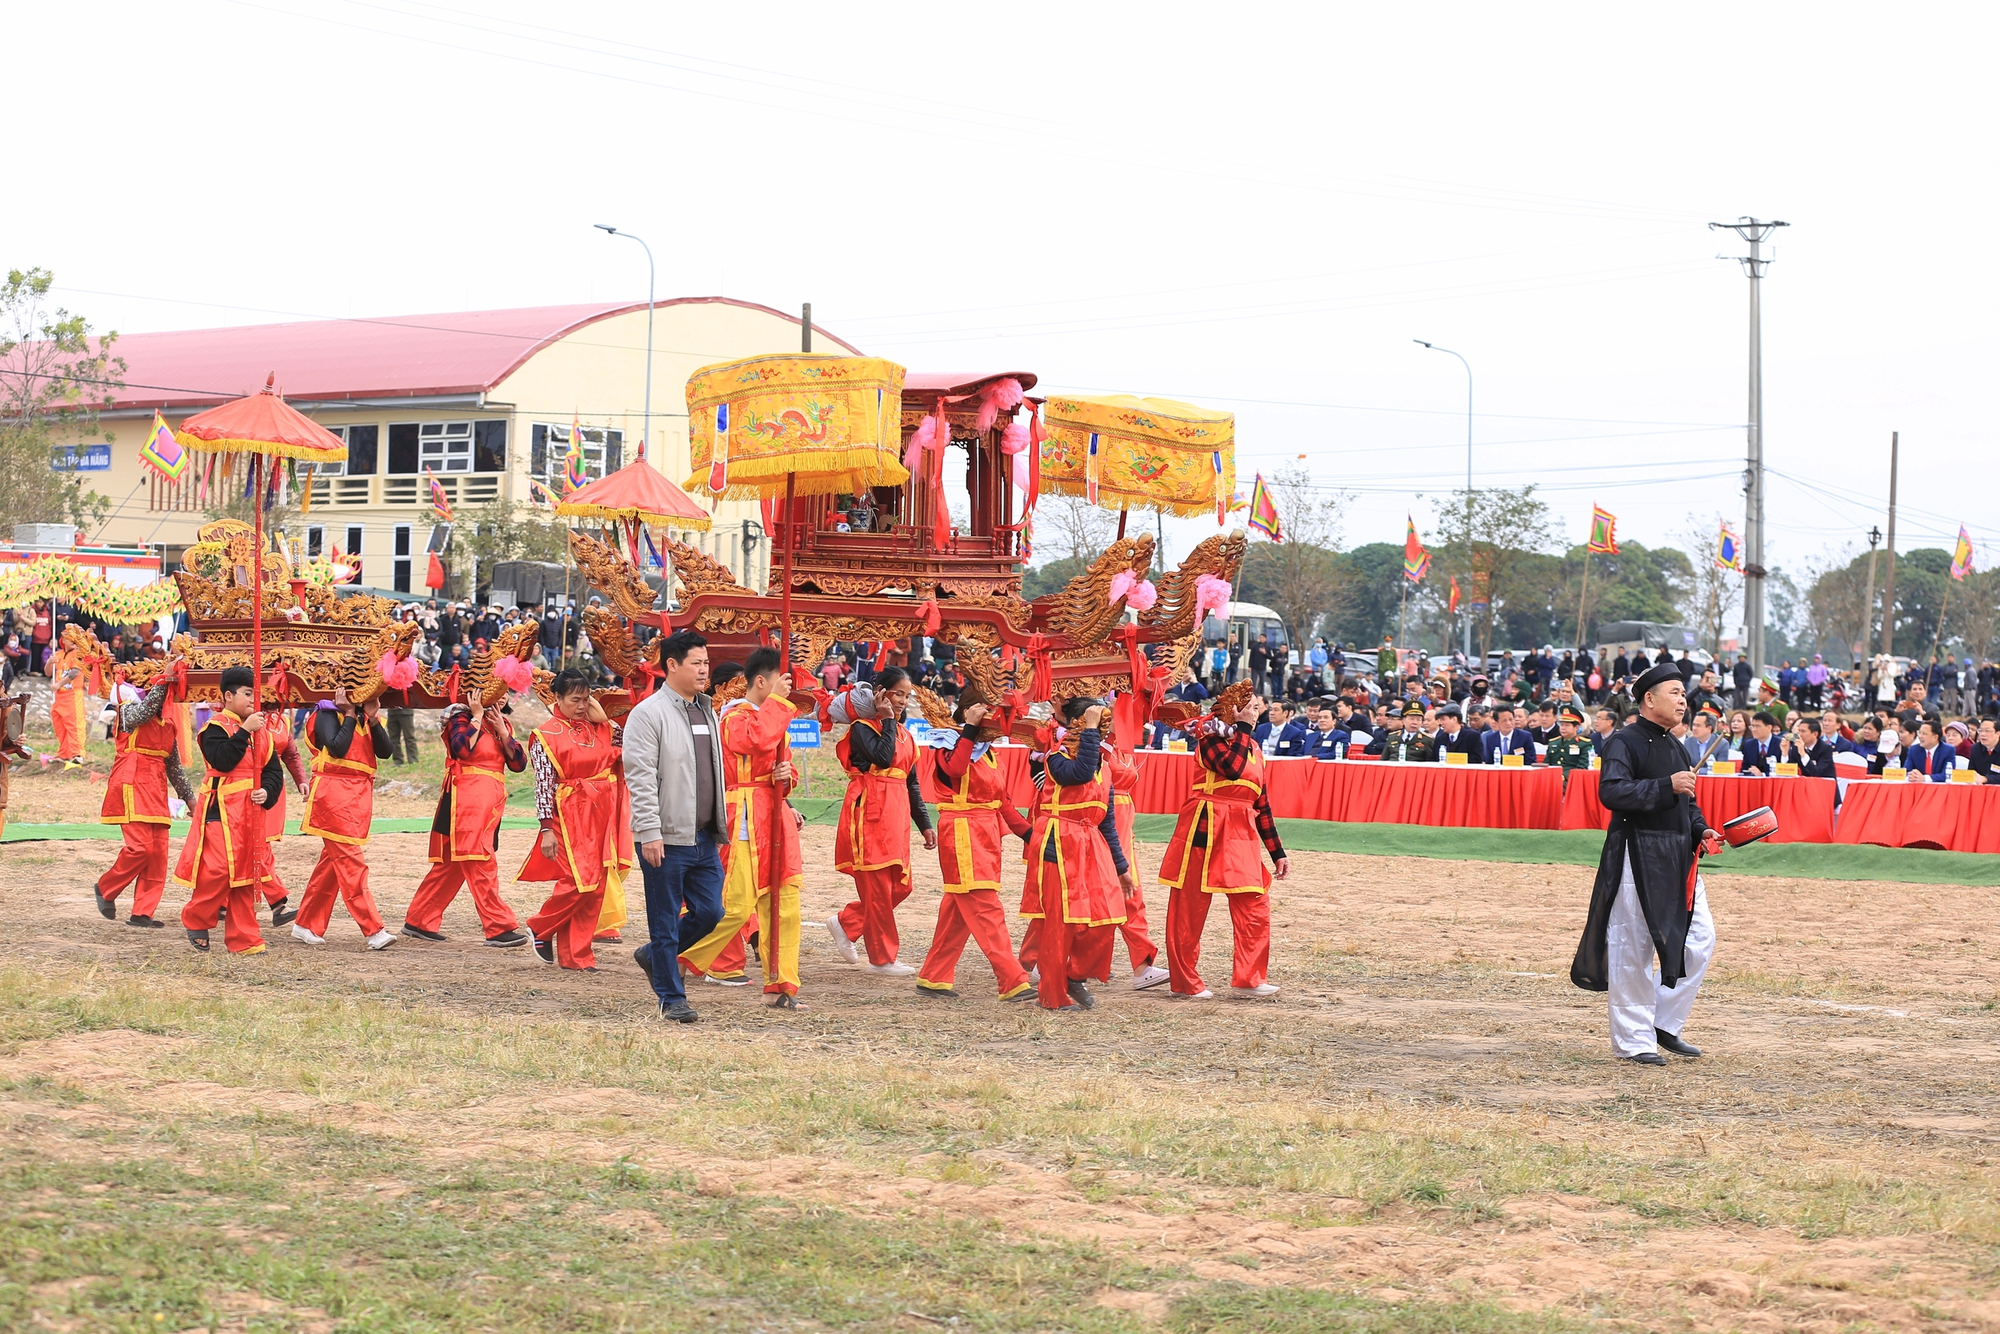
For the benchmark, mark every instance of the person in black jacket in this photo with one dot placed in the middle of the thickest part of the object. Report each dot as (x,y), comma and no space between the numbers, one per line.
(1806,748)
(1648,898)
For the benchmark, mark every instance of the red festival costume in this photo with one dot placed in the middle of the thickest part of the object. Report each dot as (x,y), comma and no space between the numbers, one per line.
(1124,774)
(1074,862)
(287,750)
(465,833)
(763,865)
(135,798)
(578,789)
(971,824)
(873,842)
(1219,840)
(220,852)
(338,811)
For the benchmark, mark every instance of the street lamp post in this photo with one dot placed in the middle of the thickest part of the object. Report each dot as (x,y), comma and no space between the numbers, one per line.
(1468,485)
(646,433)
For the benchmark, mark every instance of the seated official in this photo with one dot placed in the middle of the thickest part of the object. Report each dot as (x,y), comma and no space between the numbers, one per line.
(1455,738)
(1292,738)
(1508,739)
(1326,742)
(1985,750)
(1929,755)
(1760,745)
(1809,750)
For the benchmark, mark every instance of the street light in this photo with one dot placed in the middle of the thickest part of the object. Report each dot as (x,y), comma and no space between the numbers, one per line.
(1468,478)
(647,433)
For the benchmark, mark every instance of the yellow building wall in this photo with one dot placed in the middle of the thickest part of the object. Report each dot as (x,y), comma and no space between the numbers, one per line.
(596,375)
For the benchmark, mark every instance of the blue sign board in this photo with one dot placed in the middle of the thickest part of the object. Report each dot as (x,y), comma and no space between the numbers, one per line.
(80,458)
(803,733)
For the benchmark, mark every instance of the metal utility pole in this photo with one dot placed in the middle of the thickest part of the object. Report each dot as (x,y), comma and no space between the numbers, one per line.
(646,433)
(1868,612)
(1468,492)
(806,327)
(1754,264)
(1889,592)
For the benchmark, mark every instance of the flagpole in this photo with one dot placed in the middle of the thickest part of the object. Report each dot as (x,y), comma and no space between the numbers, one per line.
(1583,596)
(1943,602)
(1402,623)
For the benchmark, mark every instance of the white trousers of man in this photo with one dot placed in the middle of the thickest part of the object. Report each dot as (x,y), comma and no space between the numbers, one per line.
(1639,1004)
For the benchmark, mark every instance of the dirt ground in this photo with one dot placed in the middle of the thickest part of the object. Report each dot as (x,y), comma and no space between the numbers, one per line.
(1828,1163)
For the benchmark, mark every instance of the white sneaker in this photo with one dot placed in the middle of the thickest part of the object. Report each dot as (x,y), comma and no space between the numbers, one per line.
(841,944)
(1035,976)
(382,940)
(725,981)
(1262,991)
(1149,976)
(300,933)
(1203,994)
(892,969)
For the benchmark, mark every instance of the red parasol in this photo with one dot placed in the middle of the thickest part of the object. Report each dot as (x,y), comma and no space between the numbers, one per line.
(258,425)
(636,493)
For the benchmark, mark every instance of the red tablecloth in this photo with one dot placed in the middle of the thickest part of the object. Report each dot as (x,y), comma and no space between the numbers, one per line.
(1445,795)
(1804,806)
(1957,817)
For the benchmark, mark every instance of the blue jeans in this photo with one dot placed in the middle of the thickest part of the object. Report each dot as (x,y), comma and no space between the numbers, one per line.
(689,878)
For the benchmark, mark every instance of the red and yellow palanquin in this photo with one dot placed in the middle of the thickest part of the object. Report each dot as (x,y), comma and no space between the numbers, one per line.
(1076,894)
(872,844)
(339,806)
(1229,860)
(593,838)
(974,817)
(763,865)
(462,852)
(135,797)
(219,856)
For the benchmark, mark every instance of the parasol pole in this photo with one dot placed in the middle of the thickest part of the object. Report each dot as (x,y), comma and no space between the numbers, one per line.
(257,648)
(785,535)
(1121,523)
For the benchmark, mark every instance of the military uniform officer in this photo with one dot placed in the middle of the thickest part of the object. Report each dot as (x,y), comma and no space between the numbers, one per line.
(1410,745)
(1569,749)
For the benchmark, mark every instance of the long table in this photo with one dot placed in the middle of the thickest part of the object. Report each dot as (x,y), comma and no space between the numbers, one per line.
(1958,817)
(1373,791)
(1804,806)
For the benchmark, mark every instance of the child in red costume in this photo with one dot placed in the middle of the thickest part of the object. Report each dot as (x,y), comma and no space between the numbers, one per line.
(219,858)
(970,830)
(347,741)
(1216,850)
(1077,871)
(1139,946)
(583,846)
(135,798)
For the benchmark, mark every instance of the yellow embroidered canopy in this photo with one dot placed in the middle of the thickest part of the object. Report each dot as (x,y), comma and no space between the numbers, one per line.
(1133,453)
(831,424)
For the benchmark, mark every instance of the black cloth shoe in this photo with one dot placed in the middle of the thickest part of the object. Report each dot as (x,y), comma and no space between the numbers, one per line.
(282,914)
(644,959)
(136,920)
(409,930)
(506,940)
(783,1001)
(1672,1042)
(1647,1058)
(545,950)
(679,1011)
(1080,993)
(198,939)
(106,908)
(947,992)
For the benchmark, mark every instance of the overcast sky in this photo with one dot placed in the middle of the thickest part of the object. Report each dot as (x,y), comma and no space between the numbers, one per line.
(1251,208)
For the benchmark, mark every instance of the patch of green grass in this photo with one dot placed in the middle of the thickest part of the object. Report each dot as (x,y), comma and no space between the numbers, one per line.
(1227,1308)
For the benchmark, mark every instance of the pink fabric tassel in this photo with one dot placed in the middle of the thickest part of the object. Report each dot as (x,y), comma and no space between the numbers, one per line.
(920,440)
(1015,438)
(516,675)
(1142,595)
(397,673)
(1121,584)
(998,397)
(1021,470)
(1211,595)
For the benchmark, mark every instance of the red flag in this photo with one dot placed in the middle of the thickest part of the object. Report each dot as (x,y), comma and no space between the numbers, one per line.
(435,577)
(1453,606)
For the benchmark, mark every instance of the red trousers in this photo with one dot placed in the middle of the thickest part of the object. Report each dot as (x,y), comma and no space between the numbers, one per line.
(871,918)
(212,892)
(1072,952)
(441,885)
(341,872)
(1138,945)
(1249,923)
(1031,943)
(571,918)
(976,915)
(267,874)
(142,863)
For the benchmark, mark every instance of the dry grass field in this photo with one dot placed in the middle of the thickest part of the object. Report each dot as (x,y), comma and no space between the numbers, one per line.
(1425,1131)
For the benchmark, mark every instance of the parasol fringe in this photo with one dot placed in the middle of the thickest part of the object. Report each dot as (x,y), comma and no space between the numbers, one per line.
(833,471)
(650,518)
(310,453)
(1112,498)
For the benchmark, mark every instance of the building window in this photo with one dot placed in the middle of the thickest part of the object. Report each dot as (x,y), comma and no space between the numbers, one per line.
(445,446)
(354,540)
(401,565)
(315,541)
(363,449)
(489,446)
(548,447)
(404,449)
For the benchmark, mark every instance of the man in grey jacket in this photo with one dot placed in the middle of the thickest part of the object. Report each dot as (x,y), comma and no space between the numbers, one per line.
(673,768)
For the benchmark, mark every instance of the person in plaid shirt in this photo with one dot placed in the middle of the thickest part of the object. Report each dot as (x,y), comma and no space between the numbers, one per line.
(1211,853)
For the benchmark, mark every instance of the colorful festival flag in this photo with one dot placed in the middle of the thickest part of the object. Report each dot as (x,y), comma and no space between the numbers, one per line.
(1728,550)
(1221,502)
(574,475)
(653,560)
(1603,531)
(1416,561)
(440,504)
(1090,472)
(1264,511)
(161,452)
(541,496)
(1961,556)
(1452,605)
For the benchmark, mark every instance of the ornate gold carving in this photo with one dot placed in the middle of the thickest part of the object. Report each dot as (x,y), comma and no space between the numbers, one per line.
(1172,615)
(847,585)
(613,642)
(962,588)
(695,572)
(1084,612)
(611,574)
